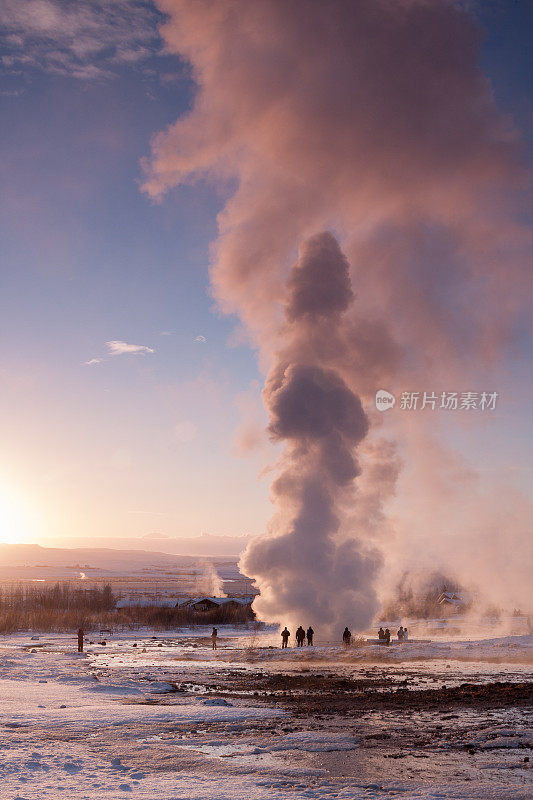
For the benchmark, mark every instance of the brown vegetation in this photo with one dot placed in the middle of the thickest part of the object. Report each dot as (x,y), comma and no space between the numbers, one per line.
(61,608)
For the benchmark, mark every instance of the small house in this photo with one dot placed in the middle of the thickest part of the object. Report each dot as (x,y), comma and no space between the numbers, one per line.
(450,600)
(210,603)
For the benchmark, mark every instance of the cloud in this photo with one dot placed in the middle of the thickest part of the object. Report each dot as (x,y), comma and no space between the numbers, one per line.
(185,431)
(165,333)
(118,348)
(86,39)
(200,339)
(372,119)
(94,361)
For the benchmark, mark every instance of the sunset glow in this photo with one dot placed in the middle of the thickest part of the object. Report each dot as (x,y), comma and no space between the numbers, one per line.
(15,525)
(159,197)
(265,399)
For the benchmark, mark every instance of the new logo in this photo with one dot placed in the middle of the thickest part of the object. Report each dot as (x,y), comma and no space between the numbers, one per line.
(384,400)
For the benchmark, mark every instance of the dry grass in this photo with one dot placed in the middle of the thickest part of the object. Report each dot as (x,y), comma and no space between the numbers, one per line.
(60,608)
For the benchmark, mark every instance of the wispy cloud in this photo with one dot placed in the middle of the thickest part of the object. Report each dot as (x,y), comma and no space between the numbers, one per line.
(200,339)
(118,348)
(86,39)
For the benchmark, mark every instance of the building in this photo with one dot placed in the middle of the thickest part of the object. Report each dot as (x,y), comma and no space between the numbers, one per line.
(451,600)
(203,603)
(210,603)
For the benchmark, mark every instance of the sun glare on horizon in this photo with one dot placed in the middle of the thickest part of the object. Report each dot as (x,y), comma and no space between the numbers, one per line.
(15,527)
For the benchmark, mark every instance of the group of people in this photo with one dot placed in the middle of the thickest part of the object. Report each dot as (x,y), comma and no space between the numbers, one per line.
(384,635)
(402,634)
(301,635)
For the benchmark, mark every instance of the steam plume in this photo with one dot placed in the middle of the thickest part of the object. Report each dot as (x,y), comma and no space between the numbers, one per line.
(372,119)
(209,581)
(304,566)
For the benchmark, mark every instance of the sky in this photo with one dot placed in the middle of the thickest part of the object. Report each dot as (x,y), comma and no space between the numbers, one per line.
(130,402)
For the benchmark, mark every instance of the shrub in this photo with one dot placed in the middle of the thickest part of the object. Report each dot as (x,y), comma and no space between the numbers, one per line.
(62,608)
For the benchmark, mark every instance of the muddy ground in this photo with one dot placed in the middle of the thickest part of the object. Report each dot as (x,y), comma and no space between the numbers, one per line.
(465,733)
(320,694)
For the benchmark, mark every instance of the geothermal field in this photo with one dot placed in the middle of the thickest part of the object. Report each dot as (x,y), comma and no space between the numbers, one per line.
(160,715)
(164,716)
(150,710)
(265,400)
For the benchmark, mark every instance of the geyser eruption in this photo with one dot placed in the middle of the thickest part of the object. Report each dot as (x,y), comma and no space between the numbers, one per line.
(374,119)
(306,566)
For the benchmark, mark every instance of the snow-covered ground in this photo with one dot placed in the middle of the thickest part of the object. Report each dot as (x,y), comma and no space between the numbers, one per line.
(109,723)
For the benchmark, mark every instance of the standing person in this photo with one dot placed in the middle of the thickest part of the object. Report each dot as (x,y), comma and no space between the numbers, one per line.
(214,635)
(310,634)
(300,636)
(405,634)
(399,633)
(387,635)
(80,640)
(285,637)
(381,633)
(346,637)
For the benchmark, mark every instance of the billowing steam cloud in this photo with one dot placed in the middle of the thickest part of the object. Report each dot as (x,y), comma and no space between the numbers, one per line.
(372,119)
(304,566)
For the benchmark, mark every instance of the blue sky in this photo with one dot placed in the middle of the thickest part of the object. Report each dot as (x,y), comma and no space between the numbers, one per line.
(87,259)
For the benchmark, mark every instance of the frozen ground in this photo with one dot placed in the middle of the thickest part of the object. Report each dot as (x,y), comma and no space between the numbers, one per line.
(159,717)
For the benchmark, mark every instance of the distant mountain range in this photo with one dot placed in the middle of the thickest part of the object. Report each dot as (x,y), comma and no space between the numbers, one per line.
(133,554)
(36,563)
(203,545)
